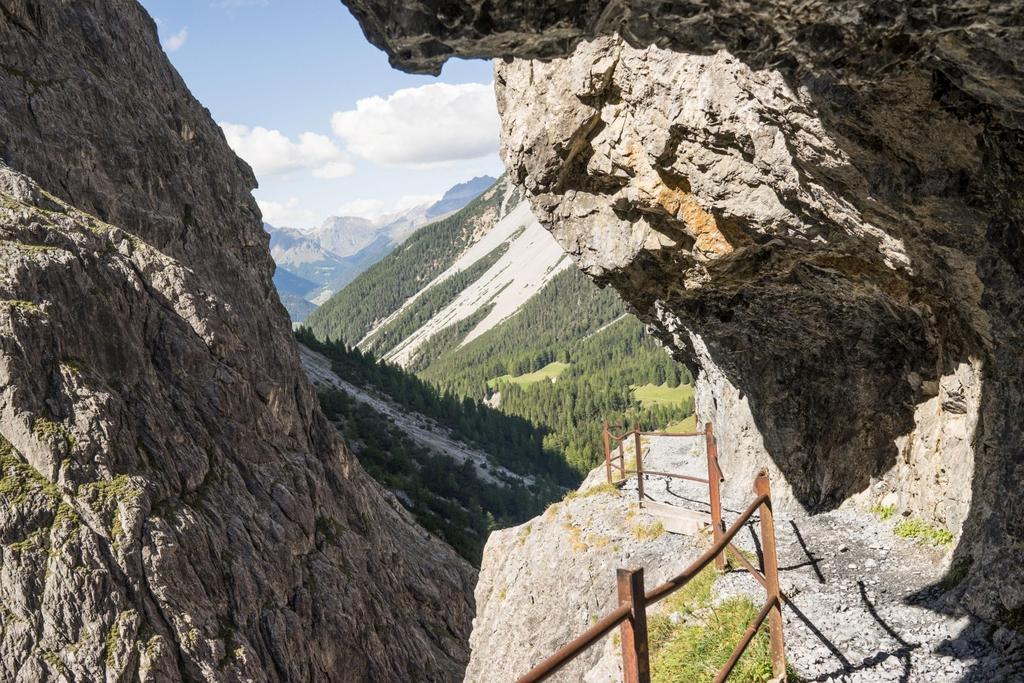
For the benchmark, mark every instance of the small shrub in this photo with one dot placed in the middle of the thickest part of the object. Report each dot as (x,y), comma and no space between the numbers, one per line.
(923,532)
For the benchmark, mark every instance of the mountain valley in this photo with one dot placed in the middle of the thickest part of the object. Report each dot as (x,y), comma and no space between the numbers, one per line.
(314,264)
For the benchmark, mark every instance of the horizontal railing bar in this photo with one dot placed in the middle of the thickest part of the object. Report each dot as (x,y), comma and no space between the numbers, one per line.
(748,635)
(670,474)
(572,649)
(671,433)
(749,567)
(677,582)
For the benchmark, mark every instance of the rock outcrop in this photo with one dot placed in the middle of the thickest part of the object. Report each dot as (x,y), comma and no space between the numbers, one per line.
(545,582)
(173,505)
(818,205)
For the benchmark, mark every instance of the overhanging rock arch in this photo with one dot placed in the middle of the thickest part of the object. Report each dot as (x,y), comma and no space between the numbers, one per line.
(819,205)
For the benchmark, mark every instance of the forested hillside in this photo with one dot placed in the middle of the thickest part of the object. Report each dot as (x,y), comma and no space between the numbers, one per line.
(351,313)
(445,495)
(567,323)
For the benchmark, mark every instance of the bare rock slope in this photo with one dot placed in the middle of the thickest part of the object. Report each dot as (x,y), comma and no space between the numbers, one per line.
(173,505)
(816,204)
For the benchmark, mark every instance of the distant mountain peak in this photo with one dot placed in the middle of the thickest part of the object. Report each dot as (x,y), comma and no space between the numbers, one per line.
(342,247)
(460,195)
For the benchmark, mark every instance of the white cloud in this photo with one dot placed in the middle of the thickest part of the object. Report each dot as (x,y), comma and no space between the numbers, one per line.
(335,169)
(270,151)
(424,126)
(376,209)
(288,213)
(175,42)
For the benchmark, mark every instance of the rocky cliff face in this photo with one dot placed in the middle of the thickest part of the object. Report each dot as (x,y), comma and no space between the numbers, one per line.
(173,506)
(818,205)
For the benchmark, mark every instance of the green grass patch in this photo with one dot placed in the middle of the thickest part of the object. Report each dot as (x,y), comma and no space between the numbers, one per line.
(651,395)
(548,372)
(695,595)
(48,430)
(593,491)
(19,480)
(696,650)
(883,512)
(687,424)
(923,533)
(22,305)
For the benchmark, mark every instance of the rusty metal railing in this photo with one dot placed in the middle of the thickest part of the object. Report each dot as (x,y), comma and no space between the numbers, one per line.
(714,480)
(631,614)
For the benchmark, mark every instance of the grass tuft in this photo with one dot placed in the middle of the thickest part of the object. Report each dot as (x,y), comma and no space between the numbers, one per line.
(592,491)
(923,533)
(646,532)
(48,430)
(19,480)
(22,305)
(883,512)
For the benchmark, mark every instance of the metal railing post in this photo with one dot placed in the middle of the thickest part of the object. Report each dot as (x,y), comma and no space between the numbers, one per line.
(714,492)
(639,464)
(636,667)
(607,451)
(771,575)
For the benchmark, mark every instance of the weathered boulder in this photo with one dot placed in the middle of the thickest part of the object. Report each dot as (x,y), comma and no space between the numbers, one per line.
(818,205)
(173,505)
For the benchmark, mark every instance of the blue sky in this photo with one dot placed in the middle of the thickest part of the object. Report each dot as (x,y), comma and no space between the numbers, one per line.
(328,126)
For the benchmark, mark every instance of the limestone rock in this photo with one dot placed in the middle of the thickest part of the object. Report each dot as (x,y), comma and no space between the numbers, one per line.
(173,505)
(547,581)
(809,270)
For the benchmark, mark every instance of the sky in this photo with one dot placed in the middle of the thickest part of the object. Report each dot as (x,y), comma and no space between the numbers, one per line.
(327,125)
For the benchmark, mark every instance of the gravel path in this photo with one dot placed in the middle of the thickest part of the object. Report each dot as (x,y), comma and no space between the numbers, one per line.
(862,606)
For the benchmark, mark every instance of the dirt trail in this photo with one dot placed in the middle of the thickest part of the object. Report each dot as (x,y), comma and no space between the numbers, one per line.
(419,428)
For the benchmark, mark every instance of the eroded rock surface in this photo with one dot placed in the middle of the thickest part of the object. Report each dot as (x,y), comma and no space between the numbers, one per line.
(818,205)
(173,505)
(843,293)
(545,582)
